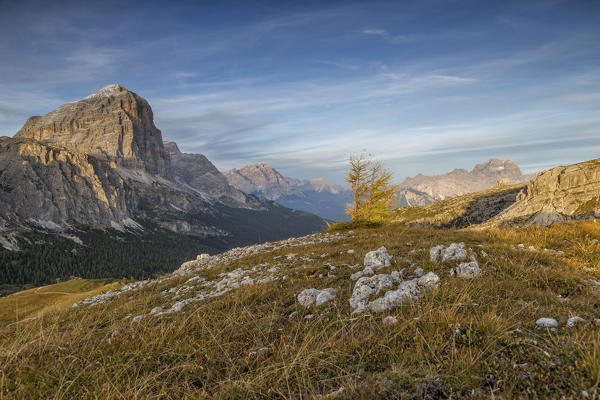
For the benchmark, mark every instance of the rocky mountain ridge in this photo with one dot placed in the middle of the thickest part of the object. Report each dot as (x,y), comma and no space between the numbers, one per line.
(317,195)
(422,190)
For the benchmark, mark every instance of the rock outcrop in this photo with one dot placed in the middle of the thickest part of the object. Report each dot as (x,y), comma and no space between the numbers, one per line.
(557,195)
(318,195)
(422,190)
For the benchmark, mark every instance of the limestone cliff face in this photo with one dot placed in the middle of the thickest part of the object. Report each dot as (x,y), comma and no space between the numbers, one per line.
(113,124)
(558,194)
(52,187)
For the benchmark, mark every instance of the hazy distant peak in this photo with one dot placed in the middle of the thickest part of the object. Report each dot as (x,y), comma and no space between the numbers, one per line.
(495,166)
(423,190)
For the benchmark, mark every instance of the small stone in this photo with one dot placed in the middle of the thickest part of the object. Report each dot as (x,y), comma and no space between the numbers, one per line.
(156,310)
(351,251)
(547,323)
(574,320)
(309,316)
(419,272)
(468,270)
(429,280)
(390,320)
(356,275)
(308,296)
(137,318)
(293,314)
(435,253)
(325,296)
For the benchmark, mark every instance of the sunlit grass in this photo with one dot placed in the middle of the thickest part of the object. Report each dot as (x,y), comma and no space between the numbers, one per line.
(476,338)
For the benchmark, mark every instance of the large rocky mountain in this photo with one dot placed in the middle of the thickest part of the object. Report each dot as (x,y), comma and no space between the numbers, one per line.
(318,196)
(100,163)
(422,190)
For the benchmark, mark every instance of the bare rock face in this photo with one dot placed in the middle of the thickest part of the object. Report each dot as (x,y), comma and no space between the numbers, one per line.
(422,190)
(557,195)
(196,172)
(113,124)
(48,186)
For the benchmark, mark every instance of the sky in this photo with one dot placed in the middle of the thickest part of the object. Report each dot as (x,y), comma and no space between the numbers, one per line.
(426,86)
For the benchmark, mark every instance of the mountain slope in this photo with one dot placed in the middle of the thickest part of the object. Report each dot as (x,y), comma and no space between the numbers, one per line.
(235,326)
(423,190)
(113,124)
(318,195)
(556,195)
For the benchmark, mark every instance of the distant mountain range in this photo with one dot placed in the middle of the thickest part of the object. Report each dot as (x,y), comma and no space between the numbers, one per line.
(329,200)
(422,190)
(318,196)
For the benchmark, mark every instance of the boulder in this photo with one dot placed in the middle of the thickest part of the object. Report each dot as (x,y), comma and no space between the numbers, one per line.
(378,259)
(311,296)
(467,270)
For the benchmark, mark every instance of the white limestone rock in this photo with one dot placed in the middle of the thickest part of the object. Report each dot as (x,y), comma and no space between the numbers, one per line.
(547,323)
(454,252)
(137,318)
(378,259)
(574,320)
(467,270)
(429,281)
(325,296)
(367,286)
(435,253)
(311,296)
(390,320)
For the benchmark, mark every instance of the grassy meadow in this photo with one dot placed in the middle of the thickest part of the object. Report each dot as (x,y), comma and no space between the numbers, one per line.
(467,339)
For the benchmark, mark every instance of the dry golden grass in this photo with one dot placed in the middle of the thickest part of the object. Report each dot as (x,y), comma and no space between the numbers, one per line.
(31,303)
(470,338)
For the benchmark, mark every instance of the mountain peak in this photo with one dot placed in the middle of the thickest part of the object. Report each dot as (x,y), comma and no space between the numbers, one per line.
(112,124)
(107,91)
(495,166)
(422,190)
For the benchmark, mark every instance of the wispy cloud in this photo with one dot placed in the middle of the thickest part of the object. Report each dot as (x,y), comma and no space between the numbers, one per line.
(387,36)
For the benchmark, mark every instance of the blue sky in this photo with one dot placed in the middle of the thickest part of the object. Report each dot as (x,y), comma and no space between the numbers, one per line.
(427,86)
